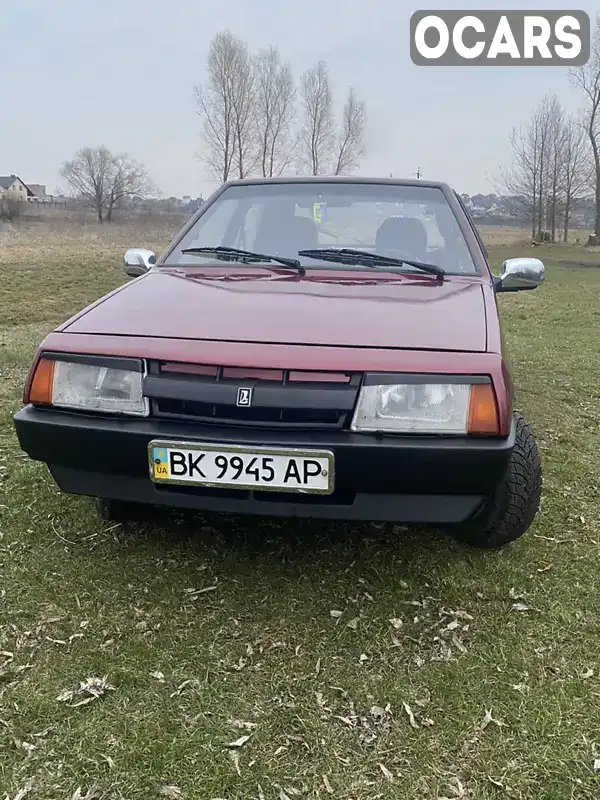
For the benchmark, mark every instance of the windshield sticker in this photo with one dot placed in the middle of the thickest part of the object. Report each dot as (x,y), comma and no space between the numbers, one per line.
(319,212)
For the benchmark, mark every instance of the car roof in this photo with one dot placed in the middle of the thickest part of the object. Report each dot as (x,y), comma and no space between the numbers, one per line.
(340,179)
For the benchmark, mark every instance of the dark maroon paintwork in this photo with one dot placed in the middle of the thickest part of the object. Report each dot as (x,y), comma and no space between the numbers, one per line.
(408,312)
(338,321)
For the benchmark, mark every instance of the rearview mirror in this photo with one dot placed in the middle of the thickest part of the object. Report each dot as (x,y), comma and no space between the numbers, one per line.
(518,274)
(138,261)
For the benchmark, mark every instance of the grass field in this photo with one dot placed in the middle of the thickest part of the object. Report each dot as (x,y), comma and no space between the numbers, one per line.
(361,661)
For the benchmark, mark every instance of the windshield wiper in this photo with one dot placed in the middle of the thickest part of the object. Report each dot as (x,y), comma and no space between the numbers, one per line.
(246,256)
(358,257)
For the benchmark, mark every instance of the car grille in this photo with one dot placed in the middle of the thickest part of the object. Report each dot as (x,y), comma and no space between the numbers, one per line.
(280,398)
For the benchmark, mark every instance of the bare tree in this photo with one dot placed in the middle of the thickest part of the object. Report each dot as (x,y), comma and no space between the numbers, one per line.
(275,98)
(216,106)
(351,146)
(520,180)
(577,172)
(88,175)
(550,170)
(587,78)
(543,121)
(555,116)
(317,135)
(243,94)
(128,180)
(103,180)
(533,178)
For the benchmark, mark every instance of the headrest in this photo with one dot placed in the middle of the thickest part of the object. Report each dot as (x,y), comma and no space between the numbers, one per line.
(405,234)
(287,237)
(304,232)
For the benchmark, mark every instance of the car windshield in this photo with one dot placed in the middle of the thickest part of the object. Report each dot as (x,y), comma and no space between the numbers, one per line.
(279,219)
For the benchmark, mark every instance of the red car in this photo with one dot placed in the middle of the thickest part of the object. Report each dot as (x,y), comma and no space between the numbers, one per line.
(315,347)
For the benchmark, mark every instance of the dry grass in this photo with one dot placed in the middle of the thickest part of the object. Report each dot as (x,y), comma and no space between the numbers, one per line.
(57,239)
(425,682)
(71,236)
(497,235)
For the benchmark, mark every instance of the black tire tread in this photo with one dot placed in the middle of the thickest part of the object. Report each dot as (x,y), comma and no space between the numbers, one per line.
(115,510)
(518,498)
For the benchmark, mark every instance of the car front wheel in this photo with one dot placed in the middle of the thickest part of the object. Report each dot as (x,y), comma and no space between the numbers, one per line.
(116,510)
(516,500)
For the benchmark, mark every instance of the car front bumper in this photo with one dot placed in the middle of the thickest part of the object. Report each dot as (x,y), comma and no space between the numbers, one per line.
(410,479)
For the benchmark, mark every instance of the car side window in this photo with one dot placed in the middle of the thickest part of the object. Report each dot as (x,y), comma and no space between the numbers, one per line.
(472,224)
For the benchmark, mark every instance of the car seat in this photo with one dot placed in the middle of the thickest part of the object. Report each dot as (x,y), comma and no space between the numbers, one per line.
(402,235)
(286,236)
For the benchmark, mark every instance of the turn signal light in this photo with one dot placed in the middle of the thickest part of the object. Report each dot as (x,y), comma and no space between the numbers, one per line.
(483,412)
(40,390)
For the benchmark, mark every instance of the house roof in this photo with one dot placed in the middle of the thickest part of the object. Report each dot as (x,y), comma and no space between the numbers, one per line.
(6,181)
(38,189)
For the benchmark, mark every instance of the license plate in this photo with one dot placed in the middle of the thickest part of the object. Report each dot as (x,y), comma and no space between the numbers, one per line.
(237,467)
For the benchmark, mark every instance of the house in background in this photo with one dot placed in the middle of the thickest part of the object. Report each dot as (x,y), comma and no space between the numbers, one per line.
(38,191)
(13,188)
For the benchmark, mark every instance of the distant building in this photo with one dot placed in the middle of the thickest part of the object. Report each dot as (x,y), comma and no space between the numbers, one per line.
(13,188)
(38,191)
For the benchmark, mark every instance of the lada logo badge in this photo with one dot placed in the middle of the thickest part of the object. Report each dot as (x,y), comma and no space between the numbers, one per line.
(244,397)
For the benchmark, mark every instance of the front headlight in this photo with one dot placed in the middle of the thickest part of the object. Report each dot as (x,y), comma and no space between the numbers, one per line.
(442,408)
(113,387)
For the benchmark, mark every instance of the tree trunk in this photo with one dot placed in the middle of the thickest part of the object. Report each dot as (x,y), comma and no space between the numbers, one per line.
(533,207)
(597,224)
(540,215)
(596,151)
(567,217)
(542,197)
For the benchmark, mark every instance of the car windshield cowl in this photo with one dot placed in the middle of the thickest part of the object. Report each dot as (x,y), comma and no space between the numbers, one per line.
(370,260)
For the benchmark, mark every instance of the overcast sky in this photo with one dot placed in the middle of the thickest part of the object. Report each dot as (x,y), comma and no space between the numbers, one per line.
(121,73)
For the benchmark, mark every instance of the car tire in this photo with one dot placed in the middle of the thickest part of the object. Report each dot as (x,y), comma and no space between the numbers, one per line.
(116,510)
(516,501)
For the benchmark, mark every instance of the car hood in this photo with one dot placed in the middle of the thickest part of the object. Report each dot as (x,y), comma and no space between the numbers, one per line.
(388,311)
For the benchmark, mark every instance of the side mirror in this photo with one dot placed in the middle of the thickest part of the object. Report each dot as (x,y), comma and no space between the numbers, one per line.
(137,261)
(518,274)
